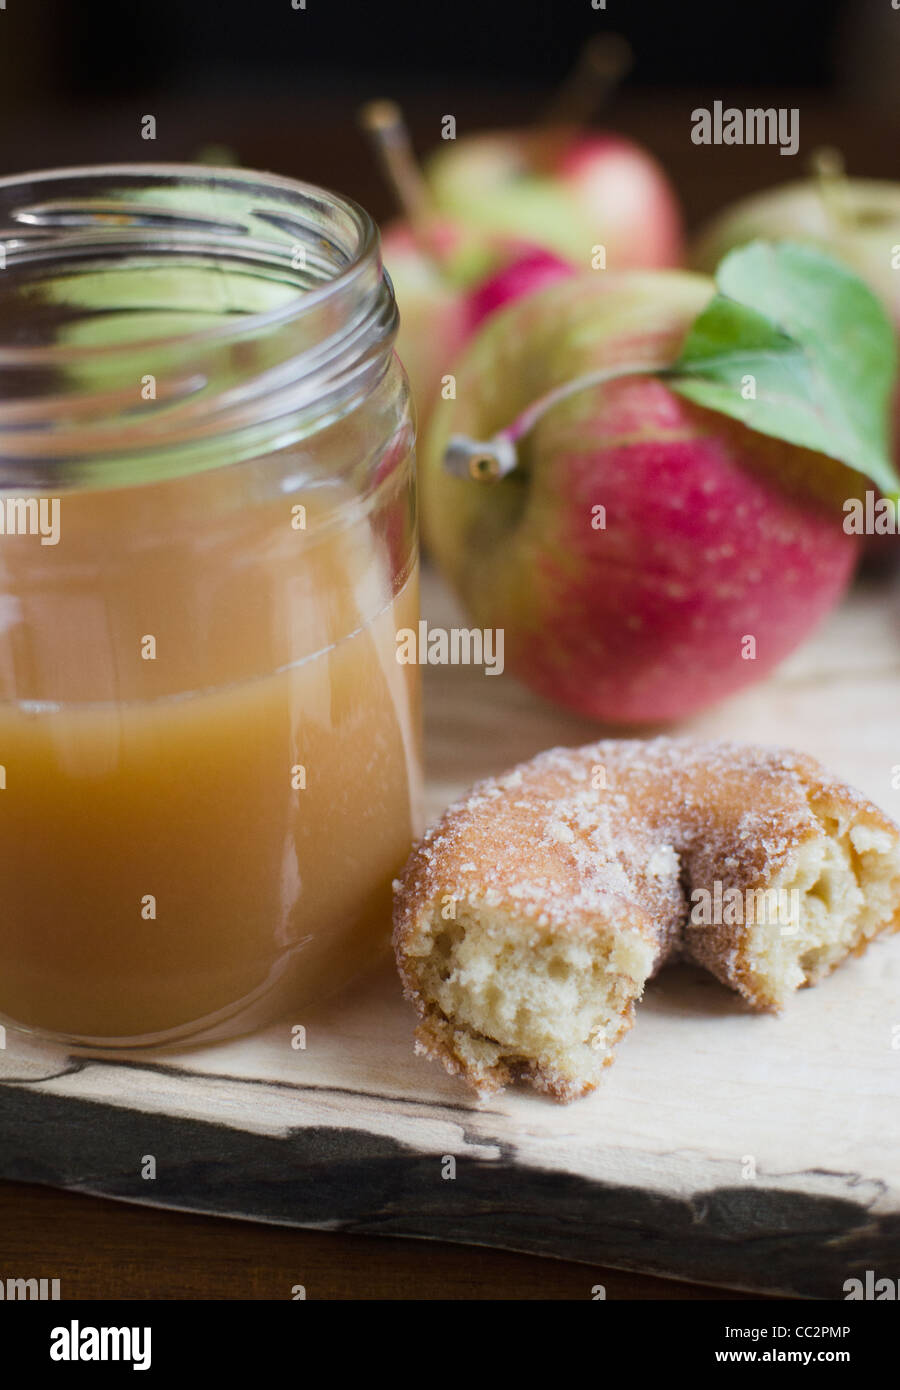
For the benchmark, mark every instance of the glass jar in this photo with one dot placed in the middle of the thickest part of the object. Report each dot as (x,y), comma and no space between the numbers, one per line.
(209,753)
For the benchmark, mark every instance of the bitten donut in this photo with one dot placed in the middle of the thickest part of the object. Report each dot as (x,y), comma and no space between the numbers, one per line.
(530,917)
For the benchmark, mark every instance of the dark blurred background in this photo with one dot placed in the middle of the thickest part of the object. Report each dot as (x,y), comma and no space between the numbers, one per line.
(280,86)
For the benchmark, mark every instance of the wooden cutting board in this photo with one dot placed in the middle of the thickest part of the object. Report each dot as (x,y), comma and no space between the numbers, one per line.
(748,1151)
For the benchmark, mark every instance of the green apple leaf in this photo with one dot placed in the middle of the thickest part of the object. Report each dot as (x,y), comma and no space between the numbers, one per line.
(796,346)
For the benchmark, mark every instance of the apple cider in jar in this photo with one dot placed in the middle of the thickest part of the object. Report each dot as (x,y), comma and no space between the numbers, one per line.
(209,753)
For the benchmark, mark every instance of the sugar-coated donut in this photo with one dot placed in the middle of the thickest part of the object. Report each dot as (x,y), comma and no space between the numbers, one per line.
(529,918)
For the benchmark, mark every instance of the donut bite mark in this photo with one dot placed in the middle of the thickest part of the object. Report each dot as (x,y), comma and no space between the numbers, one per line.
(530,917)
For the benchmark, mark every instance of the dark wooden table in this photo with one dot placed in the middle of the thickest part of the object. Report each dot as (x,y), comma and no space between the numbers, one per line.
(100,1249)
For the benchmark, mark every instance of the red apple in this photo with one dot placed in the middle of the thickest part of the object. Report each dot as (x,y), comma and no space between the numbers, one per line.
(645,557)
(445,288)
(528,270)
(502,214)
(569,194)
(446,276)
(434,321)
(569,190)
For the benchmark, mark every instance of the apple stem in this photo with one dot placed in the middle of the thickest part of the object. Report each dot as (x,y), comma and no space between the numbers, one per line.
(827,167)
(383,122)
(602,64)
(484,461)
(492,459)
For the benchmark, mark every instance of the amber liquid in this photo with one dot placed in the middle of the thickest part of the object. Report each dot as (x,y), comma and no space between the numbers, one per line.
(198,841)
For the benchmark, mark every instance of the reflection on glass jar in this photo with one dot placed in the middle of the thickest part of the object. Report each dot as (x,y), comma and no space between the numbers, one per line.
(209,754)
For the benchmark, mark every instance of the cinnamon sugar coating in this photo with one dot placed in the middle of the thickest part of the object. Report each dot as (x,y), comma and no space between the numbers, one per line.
(529,918)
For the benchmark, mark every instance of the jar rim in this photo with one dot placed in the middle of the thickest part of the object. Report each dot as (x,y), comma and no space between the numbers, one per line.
(369,245)
(122,241)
